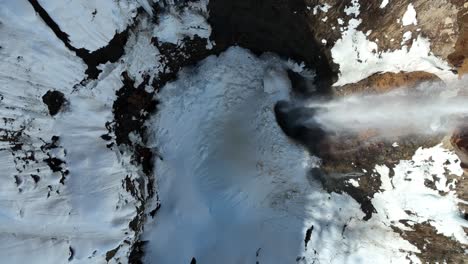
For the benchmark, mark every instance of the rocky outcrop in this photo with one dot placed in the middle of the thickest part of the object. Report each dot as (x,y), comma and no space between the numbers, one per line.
(54,101)
(434,248)
(384,82)
(459,55)
(443,23)
(459,142)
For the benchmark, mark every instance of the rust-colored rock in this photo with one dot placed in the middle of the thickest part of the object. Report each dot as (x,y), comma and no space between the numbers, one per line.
(459,57)
(384,82)
(459,141)
(433,246)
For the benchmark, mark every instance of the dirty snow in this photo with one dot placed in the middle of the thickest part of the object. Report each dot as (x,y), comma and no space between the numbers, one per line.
(406,36)
(353,8)
(324,8)
(174,25)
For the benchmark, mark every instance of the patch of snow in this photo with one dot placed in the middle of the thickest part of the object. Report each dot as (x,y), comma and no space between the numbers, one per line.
(175,25)
(406,36)
(410,16)
(359,57)
(406,190)
(324,8)
(353,182)
(384,3)
(353,9)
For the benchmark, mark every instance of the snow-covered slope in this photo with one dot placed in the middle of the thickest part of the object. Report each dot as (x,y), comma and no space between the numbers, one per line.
(61,194)
(91,24)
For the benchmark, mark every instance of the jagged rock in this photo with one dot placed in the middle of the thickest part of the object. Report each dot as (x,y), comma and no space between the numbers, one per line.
(54,101)
(459,56)
(435,247)
(459,142)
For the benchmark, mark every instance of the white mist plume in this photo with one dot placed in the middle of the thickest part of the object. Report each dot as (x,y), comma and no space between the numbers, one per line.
(431,108)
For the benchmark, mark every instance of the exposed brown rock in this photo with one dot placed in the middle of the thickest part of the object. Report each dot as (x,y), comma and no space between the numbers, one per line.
(459,57)
(384,82)
(433,246)
(437,21)
(459,142)
(346,156)
(366,148)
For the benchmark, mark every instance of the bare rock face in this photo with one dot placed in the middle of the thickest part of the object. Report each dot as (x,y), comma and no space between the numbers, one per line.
(54,101)
(354,156)
(459,56)
(460,142)
(387,81)
(434,248)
